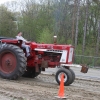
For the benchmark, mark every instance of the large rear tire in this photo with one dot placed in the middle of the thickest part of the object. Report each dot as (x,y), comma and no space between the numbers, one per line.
(31,73)
(12,62)
(67,76)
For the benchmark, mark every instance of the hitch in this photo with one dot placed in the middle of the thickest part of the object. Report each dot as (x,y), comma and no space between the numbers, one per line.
(84,68)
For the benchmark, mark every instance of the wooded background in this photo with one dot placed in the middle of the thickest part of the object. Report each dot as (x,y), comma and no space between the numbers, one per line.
(75,22)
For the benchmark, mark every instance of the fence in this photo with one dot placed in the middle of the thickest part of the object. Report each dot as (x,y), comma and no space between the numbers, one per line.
(91,61)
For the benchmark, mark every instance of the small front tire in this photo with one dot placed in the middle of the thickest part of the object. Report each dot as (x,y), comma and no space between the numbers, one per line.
(73,75)
(67,76)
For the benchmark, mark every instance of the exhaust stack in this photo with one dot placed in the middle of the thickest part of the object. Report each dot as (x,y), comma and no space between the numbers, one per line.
(55,39)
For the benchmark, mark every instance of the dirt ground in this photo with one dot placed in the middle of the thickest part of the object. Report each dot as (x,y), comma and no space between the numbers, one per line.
(44,87)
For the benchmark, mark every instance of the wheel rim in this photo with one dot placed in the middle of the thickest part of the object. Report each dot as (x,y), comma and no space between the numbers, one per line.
(65,76)
(8,62)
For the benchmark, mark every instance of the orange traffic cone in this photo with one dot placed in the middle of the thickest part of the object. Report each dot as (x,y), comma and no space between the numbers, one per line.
(61,89)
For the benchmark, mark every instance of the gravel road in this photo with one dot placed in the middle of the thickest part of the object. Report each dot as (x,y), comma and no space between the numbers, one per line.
(44,87)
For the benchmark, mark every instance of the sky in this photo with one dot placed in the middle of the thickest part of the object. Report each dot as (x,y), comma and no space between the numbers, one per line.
(3,1)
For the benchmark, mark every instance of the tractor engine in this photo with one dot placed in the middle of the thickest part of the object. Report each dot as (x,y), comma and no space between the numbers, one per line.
(50,54)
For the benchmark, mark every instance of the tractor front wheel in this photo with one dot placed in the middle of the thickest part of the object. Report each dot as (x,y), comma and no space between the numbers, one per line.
(12,62)
(67,76)
(73,76)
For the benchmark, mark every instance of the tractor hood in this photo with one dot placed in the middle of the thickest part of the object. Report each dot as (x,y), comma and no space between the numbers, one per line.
(50,46)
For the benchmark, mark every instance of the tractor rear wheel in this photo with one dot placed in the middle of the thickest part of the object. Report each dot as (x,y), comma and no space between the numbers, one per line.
(12,62)
(31,73)
(67,76)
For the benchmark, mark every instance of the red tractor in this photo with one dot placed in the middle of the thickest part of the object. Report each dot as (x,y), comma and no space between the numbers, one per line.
(14,63)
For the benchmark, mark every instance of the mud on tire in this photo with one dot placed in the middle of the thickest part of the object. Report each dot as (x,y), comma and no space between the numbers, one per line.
(12,62)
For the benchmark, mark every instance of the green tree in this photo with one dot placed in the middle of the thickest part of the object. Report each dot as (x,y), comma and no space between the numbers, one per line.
(46,36)
(7,22)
